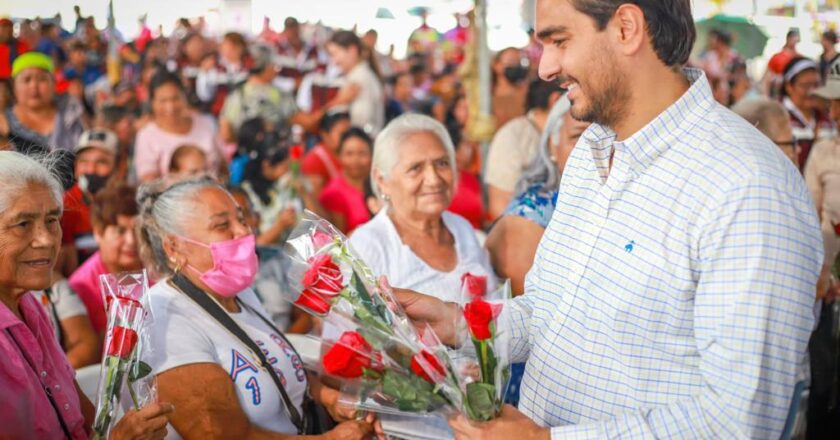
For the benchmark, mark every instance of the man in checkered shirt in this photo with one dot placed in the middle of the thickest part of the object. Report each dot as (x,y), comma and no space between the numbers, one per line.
(672,293)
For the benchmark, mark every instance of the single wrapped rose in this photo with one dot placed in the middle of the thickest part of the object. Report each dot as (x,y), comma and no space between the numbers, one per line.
(323,276)
(479,315)
(122,342)
(475,285)
(349,356)
(421,362)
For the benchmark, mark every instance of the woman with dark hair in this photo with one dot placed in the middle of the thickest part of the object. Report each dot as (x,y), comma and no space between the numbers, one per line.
(172,125)
(343,198)
(801,76)
(278,196)
(363,92)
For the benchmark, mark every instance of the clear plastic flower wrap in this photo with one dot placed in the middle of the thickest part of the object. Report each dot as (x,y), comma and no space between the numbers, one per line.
(125,382)
(324,272)
(484,357)
(381,373)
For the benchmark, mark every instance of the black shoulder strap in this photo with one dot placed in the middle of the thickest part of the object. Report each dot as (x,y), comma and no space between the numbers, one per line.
(49,293)
(219,314)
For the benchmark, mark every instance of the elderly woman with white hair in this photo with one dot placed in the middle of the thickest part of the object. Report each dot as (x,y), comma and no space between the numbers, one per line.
(414,240)
(41,398)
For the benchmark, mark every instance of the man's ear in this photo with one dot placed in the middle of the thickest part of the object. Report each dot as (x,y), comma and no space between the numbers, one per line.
(629,28)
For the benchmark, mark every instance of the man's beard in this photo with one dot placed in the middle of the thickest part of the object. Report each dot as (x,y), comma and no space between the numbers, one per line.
(608,106)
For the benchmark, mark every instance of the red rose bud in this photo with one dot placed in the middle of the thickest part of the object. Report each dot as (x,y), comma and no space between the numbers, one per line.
(314,302)
(122,342)
(431,361)
(323,276)
(479,314)
(296,152)
(476,285)
(350,354)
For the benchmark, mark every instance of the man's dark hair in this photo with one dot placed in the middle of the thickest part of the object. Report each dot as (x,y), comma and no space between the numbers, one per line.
(669,24)
(539,94)
(110,114)
(791,33)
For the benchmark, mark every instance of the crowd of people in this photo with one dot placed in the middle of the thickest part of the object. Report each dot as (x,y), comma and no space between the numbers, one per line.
(197,151)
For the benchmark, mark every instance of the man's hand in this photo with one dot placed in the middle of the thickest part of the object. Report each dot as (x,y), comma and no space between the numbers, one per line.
(425,309)
(511,424)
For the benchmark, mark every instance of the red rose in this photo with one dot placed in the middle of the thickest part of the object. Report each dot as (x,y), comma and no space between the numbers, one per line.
(836,228)
(314,302)
(348,356)
(296,152)
(479,314)
(431,361)
(122,342)
(475,285)
(323,276)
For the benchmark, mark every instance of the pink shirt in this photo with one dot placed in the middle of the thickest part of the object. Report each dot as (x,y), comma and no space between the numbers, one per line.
(154,147)
(85,282)
(33,361)
(341,198)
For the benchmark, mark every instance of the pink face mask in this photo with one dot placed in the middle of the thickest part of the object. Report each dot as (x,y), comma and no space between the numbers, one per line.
(234,265)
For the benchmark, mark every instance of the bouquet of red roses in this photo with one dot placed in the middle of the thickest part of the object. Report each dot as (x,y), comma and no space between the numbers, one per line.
(126,303)
(366,336)
(484,392)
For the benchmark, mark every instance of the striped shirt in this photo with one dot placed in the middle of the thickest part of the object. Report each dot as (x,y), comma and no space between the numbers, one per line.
(672,295)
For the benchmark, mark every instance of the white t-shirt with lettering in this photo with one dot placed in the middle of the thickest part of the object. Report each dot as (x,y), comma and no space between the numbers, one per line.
(183,333)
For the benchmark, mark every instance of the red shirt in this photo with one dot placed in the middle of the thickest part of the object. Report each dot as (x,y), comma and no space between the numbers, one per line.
(76,220)
(341,198)
(467,201)
(6,58)
(320,161)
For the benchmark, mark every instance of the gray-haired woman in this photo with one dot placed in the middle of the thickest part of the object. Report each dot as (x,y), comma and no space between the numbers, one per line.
(229,371)
(414,240)
(40,397)
(512,242)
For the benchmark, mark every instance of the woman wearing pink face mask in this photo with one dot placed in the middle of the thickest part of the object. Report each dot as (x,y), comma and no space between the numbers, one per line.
(211,334)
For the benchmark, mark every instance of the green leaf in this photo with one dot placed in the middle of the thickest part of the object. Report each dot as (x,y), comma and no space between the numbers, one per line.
(481,401)
(138,371)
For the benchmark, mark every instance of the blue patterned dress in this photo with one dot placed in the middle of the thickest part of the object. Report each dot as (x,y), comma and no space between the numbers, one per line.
(537,204)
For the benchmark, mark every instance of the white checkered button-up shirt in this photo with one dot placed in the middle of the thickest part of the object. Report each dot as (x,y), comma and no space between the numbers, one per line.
(672,296)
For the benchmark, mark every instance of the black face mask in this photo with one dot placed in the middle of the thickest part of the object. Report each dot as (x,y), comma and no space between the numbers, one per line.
(516,74)
(92,183)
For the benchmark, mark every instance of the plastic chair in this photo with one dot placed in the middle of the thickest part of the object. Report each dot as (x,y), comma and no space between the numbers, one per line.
(790,423)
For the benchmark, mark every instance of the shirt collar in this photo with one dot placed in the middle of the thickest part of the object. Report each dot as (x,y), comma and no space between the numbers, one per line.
(9,319)
(644,146)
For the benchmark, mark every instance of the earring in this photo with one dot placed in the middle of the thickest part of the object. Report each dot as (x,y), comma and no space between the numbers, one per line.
(177,266)
(386,197)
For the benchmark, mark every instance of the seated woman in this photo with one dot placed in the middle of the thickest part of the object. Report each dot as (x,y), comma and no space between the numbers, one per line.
(194,234)
(414,240)
(512,242)
(41,121)
(112,217)
(30,206)
(343,198)
(277,195)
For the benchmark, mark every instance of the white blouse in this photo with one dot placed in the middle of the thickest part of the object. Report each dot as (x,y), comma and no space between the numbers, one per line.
(380,246)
